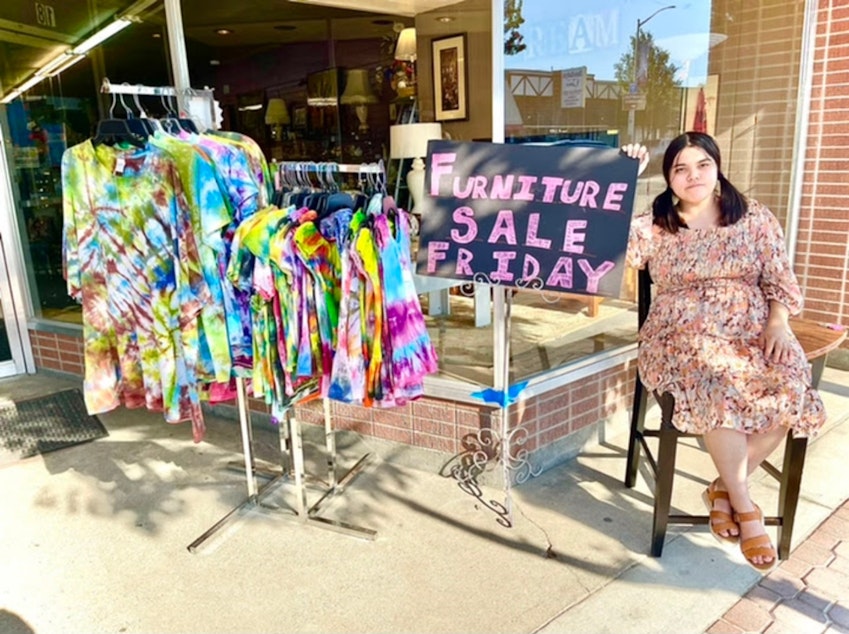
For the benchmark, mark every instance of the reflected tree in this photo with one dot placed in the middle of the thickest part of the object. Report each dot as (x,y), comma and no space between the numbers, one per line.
(646,69)
(514,41)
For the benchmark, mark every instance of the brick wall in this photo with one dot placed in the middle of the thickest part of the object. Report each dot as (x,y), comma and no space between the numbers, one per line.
(60,353)
(429,423)
(757,65)
(822,256)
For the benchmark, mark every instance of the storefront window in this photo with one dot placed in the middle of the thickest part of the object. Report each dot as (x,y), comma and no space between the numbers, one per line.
(314,82)
(609,73)
(57,106)
(317,83)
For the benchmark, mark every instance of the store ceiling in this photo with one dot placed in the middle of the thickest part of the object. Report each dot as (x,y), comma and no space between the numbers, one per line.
(31,33)
(260,22)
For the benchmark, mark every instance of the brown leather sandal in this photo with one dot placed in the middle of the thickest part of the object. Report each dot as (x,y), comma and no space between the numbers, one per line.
(760,546)
(719,520)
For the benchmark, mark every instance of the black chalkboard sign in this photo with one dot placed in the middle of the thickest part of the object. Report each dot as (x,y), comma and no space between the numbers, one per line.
(547,217)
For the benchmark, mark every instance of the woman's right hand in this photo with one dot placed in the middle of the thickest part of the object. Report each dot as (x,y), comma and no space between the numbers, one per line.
(639,152)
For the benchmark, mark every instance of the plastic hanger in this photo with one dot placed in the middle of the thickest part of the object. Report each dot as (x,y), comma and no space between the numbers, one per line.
(113,130)
(152,125)
(171,122)
(136,125)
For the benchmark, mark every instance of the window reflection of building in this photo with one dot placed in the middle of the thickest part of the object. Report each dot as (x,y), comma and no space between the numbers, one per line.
(539,98)
(714,48)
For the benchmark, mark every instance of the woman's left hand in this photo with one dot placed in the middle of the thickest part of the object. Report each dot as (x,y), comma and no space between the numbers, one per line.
(775,341)
(639,152)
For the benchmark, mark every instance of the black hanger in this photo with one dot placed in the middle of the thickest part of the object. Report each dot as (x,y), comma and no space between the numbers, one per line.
(150,125)
(170,121)
(188,125)
(113,130)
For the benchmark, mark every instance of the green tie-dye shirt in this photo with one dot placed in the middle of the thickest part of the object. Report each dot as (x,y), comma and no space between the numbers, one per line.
(131,259)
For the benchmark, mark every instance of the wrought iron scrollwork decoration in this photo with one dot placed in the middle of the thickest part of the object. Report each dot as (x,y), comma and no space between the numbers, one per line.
(481,451)
(519,456)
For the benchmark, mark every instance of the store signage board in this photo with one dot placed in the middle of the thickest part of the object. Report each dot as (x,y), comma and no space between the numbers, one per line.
(543,217)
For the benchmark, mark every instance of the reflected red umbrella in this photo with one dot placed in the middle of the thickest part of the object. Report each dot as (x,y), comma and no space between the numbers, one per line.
(700,119)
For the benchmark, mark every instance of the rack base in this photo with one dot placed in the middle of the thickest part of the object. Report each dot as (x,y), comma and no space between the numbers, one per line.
(291,445)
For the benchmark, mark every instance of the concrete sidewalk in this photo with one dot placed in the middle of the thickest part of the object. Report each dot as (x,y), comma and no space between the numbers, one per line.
(808,593)
(94,539)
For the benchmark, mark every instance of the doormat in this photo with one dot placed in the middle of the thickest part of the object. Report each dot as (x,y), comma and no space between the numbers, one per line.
(44,424)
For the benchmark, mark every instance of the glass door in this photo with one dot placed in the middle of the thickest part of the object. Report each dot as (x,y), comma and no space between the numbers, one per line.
(15,351)
(7,364)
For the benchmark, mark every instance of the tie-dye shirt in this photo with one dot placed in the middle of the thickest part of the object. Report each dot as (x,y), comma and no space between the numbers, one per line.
(210,215)
(259,166)
(131,259)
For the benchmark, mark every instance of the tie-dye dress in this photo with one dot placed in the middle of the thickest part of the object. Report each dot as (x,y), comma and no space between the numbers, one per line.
(411,356)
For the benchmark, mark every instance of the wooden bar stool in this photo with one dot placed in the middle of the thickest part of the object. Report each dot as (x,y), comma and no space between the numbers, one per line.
(816,340)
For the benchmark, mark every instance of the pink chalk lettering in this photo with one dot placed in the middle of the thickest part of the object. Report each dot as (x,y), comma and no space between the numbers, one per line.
(440,163)
(504,227)
(567,198)
(503,274)
(574,236)
(435,253)
(613,200)
(464,262)
(479,188)
(502,187)
(525,192)
(531,238)
(551,184)
(594,276)
(465,192)
(561,274)
(530,269)
(591,189)
(464,216)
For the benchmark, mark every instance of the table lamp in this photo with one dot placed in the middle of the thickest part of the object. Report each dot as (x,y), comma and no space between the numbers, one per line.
(405,50)
(276,115)
(410,141)
(358,93)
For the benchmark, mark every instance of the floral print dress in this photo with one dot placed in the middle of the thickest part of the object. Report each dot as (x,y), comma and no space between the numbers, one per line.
(712,289)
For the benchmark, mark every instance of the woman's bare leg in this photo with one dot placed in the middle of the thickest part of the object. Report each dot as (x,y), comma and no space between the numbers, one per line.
(730,453)
(761,446)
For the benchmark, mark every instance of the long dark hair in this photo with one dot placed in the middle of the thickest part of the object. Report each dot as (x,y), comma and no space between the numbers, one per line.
(732,204)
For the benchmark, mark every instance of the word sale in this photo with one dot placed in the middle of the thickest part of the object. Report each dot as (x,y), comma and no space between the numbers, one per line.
(506,262)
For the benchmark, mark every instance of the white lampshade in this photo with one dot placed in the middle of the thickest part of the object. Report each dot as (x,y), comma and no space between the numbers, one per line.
(405,47)
(410,140)
(323,88)
(276,113)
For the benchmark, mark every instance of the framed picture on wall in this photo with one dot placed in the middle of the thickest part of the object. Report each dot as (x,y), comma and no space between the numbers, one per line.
(299,117)
(450,78)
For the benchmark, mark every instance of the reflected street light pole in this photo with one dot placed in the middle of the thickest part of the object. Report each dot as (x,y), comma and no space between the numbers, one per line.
(632,109)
